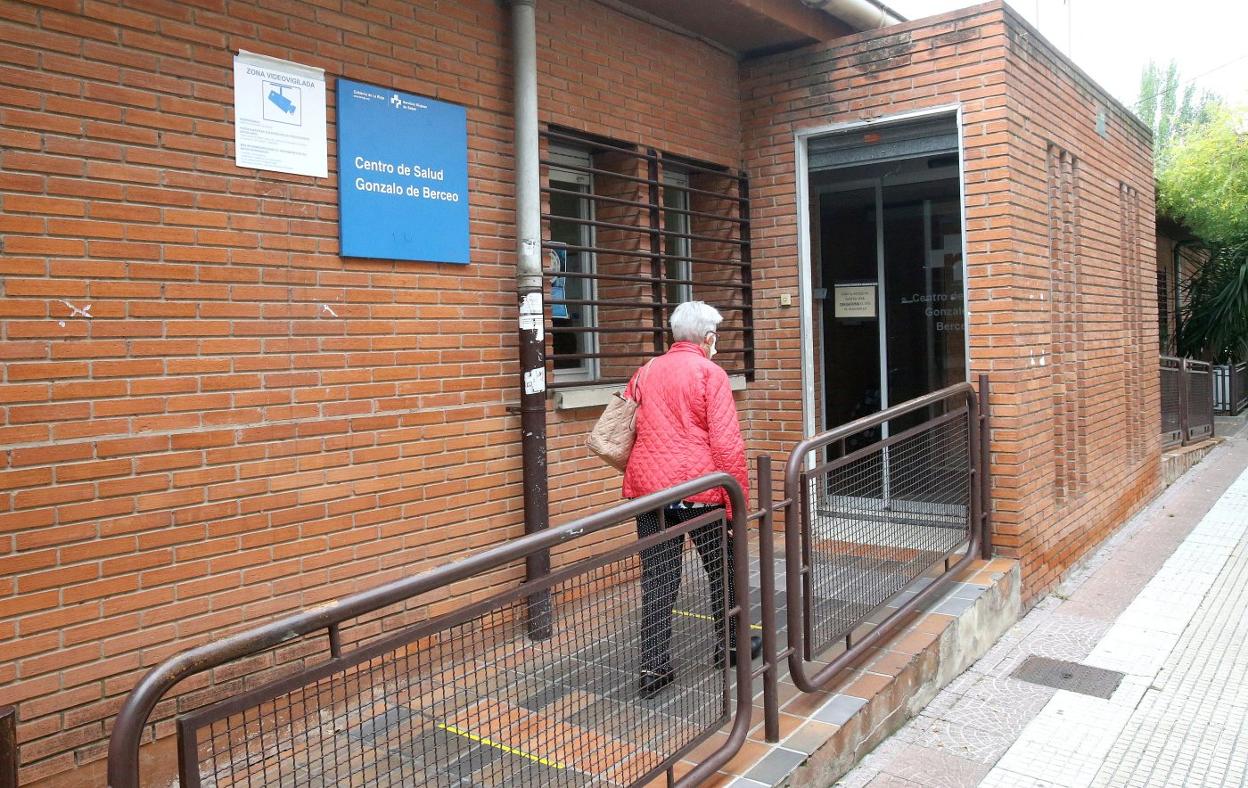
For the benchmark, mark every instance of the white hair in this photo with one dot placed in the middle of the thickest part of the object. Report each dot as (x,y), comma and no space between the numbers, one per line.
(693,320)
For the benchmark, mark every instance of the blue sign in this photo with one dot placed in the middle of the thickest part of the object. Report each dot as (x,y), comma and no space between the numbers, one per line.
(402,175)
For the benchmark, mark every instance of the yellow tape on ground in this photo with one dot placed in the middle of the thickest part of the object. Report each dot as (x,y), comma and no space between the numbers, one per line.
(491,743)
(705,617)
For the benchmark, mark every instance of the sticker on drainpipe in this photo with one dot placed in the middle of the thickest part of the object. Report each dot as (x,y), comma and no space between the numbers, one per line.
(535,381)
(531,318)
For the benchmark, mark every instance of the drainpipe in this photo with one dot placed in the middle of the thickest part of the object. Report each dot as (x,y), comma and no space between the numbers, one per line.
(860,14)
(532,312)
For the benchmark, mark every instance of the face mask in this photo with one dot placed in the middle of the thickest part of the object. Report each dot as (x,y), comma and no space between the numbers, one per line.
(711,351)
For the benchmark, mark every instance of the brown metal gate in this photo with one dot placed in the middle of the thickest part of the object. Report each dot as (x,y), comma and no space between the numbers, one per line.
(1187,401)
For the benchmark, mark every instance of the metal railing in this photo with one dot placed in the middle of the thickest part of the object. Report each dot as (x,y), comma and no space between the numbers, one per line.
(889,504)
(873,511)
(1187,401)
(1230,388)
(466,695)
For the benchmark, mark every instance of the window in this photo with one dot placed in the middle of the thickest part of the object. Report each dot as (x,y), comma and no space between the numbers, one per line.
(676,242)
(571,265)
(629,234)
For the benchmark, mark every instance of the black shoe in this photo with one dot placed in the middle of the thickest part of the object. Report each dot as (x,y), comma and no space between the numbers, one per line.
(756,648)
(652,682)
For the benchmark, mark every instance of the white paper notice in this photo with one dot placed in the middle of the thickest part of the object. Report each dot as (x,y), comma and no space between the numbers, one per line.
(279,116)
(854,301)
(531,318)
(535,381)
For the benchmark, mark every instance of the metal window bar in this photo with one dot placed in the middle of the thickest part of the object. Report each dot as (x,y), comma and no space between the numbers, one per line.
(602,198)
(637,330)
(465,696)
(624,304)
(659,280)
(638,304)
(577,138)
(633,178)
(851,548)
(646,230)
(641,253)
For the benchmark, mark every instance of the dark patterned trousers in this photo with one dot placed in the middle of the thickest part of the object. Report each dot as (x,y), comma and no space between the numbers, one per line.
(660,581)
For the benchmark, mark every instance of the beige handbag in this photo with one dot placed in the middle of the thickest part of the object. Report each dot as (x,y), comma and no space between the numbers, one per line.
(613,434)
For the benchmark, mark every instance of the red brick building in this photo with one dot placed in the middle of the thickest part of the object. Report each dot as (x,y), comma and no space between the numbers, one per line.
(210,417)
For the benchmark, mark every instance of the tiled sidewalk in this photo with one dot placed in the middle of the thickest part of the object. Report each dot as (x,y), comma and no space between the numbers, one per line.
(1190,725)
(1164,603)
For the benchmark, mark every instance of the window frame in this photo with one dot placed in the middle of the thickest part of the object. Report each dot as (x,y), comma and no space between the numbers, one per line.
(679,180)
(708,224)
(586,370)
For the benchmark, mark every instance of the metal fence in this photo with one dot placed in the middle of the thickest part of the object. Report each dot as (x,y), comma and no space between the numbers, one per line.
(466,697)
(1230,388)
(875,506)
(1187,401)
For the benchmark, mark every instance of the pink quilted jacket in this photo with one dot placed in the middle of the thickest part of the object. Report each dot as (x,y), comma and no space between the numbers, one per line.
(686,425)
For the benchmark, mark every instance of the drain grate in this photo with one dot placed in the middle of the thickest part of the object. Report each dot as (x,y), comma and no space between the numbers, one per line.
(1072,676)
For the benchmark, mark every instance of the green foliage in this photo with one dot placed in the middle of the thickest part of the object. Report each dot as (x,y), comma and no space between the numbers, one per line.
(1204,184)
(1200,150)
(1215,318)
(1170,109)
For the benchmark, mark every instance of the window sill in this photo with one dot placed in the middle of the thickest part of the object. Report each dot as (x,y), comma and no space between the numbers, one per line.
(598,396)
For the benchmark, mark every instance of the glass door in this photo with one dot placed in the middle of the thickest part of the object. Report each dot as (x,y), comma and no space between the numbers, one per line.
(889,279)
(889,318)
(850,314)
(924,341)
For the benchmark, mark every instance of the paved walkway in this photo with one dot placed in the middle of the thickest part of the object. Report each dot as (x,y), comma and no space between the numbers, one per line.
(1162,610)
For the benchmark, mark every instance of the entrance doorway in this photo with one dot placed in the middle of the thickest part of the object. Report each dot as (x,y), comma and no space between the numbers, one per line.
(887,269)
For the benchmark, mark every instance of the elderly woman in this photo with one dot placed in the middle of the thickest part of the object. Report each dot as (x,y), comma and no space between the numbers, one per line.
(686,428)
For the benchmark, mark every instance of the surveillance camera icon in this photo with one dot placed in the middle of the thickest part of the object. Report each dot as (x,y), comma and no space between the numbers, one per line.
(282,103)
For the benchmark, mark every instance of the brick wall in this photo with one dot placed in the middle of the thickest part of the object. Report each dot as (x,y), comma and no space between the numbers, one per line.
(1018,100)
(1051,102)
(248,424)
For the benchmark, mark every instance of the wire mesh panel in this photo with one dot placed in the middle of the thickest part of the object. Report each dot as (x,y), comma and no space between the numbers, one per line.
(1199,400)
(1171,417)
(469,699)
(880,517)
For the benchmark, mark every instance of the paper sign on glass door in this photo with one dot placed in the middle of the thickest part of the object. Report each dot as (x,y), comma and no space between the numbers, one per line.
(854,301)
